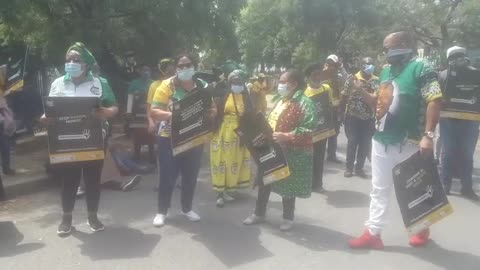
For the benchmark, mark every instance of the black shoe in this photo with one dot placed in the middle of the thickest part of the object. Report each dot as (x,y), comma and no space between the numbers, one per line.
(9,172)
(348,174)
(470,194)
(361,173)
(334,160)
(132,183)
(65,228)
(95,224)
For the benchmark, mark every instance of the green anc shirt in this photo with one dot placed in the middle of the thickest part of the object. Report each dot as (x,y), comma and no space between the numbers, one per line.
(402,99)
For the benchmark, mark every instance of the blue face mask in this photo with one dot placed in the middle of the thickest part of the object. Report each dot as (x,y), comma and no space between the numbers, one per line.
(369,69)
(73,69)
(283,89)
(237,89)
(186,74)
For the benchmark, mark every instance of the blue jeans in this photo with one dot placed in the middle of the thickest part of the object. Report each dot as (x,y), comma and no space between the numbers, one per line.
(187,165)
(459,138)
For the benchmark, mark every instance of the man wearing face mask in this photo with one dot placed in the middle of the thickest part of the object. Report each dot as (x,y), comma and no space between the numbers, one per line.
(459,137)
(407,110)
(140,135)
(359,118)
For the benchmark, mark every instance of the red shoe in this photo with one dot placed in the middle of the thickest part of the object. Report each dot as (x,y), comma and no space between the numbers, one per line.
(420,239)
(367,240)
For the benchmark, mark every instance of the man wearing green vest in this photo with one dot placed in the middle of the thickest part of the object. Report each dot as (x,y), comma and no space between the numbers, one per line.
(407,110)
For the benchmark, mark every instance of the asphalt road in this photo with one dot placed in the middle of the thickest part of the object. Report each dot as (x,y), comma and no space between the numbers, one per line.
(323,225)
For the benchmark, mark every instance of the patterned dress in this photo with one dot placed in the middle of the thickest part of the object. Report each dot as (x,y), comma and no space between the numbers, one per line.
(296,116)
(229,161)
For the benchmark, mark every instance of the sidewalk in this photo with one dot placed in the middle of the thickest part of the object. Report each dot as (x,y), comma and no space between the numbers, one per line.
(31,156)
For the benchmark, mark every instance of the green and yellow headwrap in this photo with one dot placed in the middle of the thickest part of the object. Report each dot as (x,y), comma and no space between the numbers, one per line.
(239,75)
(85,54)
(165,62)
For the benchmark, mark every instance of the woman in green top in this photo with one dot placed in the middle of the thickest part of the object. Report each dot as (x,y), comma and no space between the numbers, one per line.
(80,82)
(293,120)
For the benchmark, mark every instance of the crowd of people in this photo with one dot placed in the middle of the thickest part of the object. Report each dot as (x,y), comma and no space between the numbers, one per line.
(387,117)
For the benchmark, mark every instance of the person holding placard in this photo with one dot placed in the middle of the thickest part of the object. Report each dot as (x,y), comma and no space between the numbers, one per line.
(80,82)
(137,94)
(459,136)
(407,106)
(187,164)
(317,86)
(293,120)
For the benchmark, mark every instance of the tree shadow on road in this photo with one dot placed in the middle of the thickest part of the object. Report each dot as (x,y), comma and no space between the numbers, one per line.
(10,241)
(117,243)
(347,199)
(316,238)
(221,230)
(437,255)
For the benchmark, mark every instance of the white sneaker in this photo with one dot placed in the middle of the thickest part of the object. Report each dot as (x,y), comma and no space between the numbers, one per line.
(192,216)
(253,219)
(159,220)
(286,225)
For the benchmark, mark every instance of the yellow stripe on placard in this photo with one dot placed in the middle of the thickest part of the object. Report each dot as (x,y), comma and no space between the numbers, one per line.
(460,115)
(276,176)
(77,156)
(16,86)
(431,219)
(193,143)
(323,135)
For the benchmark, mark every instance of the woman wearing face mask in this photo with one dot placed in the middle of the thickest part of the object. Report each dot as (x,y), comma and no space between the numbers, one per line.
(78,82)
(359,118)
(293,120)
(229,160)
(186,164)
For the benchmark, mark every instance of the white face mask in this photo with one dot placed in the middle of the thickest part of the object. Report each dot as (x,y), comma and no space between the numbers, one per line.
(282,89)
(73,69)
(237,89)
(186,74)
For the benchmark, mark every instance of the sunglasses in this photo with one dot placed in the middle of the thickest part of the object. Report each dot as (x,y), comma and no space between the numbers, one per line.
(184,66)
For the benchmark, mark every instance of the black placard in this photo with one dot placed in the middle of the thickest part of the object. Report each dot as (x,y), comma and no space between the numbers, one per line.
(190,124)
(256,133)
(74,133)
(462,94)
(420,194)
(325,125)
(138,110)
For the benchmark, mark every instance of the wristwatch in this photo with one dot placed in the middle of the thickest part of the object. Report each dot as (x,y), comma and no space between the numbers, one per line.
(429,134)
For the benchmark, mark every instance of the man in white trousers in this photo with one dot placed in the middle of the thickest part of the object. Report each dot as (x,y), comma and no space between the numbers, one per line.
(407,111)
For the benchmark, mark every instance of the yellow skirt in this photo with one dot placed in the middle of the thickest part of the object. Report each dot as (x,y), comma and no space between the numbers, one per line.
(229,162)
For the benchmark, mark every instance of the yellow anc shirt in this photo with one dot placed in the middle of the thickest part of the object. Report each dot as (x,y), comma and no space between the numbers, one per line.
(309,92)
(151,91)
